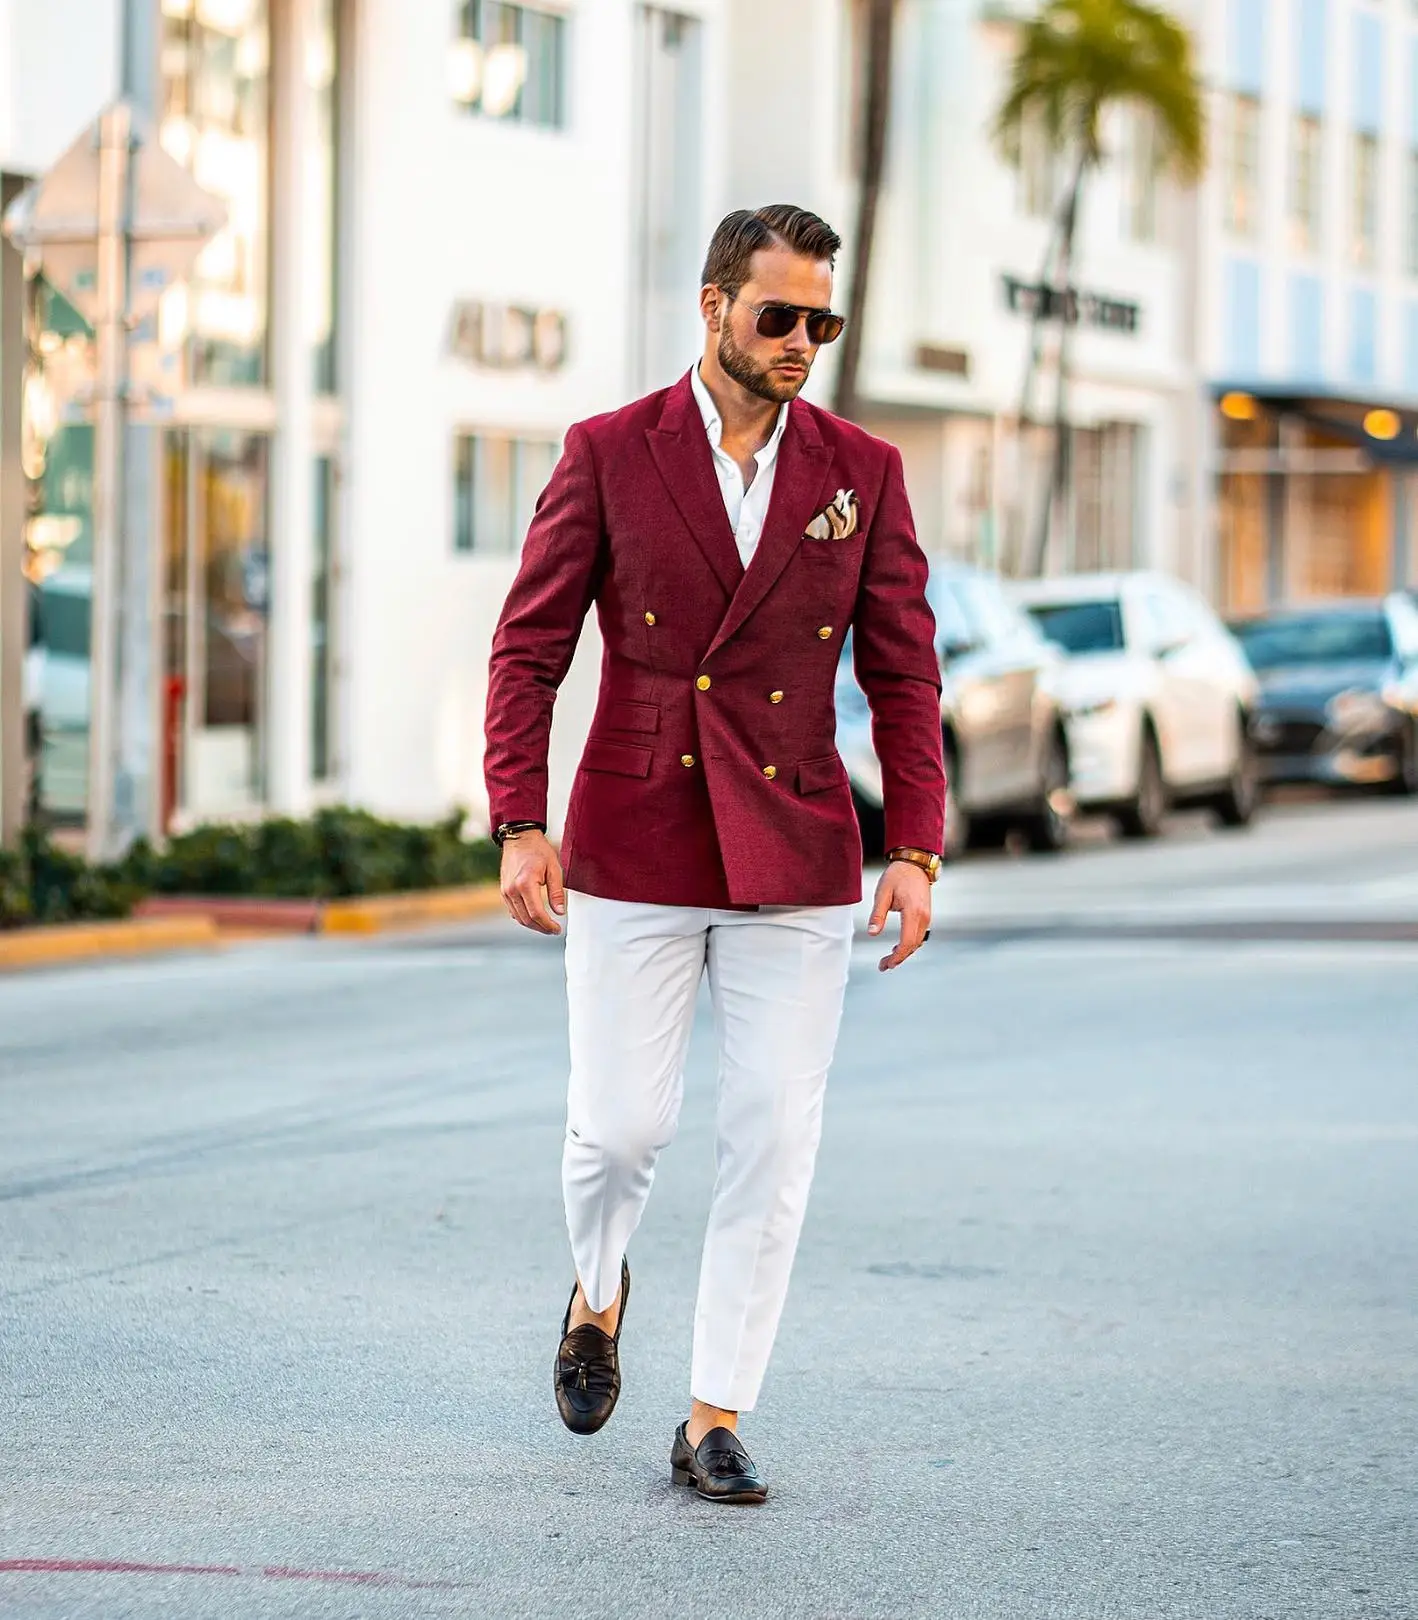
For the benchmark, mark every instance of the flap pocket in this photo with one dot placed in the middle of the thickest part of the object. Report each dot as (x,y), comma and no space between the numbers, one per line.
(622,715)
(620,759)
(817,775)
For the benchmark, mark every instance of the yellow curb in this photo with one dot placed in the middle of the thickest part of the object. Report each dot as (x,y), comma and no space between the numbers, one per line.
(386,911)
(78,942)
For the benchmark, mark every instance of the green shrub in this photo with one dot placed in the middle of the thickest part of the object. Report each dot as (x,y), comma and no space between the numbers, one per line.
(15,906)
(41,883)
(336,854)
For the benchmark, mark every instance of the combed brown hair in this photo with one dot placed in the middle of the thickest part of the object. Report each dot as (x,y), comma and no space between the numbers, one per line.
(741,234)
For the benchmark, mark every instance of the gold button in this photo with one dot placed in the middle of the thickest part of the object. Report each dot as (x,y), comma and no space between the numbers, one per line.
(770,771)
(649,618)
(704,683)
(775,697)
(686,759)
(825,634)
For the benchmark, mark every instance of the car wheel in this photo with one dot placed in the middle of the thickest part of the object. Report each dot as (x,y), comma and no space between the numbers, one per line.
(957,822)
(1047,827)
(871,822)
(1235,805)
(1405,777)
(1142,815)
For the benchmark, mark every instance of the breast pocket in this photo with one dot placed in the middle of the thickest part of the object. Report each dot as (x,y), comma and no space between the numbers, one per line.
(834,553)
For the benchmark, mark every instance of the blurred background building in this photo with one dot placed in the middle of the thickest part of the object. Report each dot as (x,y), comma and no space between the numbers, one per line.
(1308,296)
(457,226)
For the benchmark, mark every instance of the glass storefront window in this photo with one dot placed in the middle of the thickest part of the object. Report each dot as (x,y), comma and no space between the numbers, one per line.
(322,78)
(60,554)
(321,649)
(216,122)
(217,595)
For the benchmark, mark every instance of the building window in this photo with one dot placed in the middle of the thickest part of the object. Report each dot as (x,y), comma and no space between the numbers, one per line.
(1140,195)
(322,78)
(496,482)
(1413,212)
(1305,174)
(216,122)
(1366,200)
(509,61)
(322,673)
(1243,166)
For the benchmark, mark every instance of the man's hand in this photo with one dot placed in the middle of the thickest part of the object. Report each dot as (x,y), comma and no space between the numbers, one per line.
(907,889)
(529,865)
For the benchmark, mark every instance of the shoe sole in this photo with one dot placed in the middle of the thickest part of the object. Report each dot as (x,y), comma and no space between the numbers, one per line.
(683,1476)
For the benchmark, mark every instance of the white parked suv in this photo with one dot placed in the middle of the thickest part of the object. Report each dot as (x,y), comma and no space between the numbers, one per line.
(1157,696)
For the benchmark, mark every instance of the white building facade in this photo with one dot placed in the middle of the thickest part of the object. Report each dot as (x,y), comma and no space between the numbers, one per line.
(455,228)
(960,244)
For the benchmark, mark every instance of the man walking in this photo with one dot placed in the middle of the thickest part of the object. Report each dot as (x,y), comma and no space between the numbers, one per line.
(729,535)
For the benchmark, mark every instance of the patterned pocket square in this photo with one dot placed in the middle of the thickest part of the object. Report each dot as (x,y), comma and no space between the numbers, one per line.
(835,522)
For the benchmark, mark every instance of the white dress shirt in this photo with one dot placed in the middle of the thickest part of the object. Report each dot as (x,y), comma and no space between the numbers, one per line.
(748,508)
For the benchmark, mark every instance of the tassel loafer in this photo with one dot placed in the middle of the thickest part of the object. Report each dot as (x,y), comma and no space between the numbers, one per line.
(588,1367)
(718,1467)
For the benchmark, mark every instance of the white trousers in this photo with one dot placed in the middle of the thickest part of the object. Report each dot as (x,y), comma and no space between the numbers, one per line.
(777,978)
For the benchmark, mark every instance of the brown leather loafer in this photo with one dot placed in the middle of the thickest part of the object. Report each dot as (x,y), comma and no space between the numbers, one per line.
(719,1468)
(588,1367)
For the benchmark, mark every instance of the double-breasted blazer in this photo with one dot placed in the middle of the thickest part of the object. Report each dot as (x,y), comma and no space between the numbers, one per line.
(710,776)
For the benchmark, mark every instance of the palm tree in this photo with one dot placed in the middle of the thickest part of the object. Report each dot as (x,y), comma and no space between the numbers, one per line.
(876,110)
(1076,61)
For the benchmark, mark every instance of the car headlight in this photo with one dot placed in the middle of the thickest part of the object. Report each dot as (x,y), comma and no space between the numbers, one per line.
(1356,709)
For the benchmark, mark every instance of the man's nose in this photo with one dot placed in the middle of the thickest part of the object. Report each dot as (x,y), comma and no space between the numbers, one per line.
(798,341)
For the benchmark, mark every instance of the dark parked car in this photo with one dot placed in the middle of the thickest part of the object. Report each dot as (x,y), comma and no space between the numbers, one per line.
(1338,692)
(1006,754)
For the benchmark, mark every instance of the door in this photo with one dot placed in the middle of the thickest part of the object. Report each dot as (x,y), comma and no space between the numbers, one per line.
(1194,738)
(968,696)
(1009,660)
(216,606)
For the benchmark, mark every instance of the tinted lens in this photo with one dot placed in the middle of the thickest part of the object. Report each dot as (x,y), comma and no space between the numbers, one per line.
(824,328)
(776,320)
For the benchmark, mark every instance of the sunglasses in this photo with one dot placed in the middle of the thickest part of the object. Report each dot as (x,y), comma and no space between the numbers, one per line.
(777,320)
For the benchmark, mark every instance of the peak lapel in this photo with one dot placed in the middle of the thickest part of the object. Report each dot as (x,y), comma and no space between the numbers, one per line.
(804,463)
(680,449)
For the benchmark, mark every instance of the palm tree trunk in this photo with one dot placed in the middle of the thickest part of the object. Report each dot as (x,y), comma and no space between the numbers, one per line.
(1057,486)
(881,20)
(1023,421)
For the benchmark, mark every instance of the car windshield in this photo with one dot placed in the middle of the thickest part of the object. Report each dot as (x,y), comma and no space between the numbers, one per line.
(1081,627)
(1316,638)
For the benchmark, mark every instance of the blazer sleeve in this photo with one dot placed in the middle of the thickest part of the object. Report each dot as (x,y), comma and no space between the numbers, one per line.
(893,637)
(537,632)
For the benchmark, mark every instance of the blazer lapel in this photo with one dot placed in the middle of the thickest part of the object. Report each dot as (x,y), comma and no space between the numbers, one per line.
(799,478)
(681,452)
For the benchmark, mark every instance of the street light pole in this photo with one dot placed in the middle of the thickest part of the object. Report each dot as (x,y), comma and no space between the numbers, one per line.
(110,411)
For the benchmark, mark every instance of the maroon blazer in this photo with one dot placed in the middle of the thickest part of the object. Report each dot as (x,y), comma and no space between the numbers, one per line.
(711,775)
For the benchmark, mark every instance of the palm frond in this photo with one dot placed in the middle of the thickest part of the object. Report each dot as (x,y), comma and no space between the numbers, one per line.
(1078,58)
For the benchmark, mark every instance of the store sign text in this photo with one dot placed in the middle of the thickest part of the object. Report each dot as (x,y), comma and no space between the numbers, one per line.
(1077,308)
(508,337)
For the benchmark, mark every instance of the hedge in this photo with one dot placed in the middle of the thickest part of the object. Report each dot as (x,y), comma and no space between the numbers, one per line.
(335,854)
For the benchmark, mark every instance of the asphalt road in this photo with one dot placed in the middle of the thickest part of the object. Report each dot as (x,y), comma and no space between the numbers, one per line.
(1107,1304)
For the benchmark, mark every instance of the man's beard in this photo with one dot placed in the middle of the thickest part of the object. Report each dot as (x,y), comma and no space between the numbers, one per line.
(757,379)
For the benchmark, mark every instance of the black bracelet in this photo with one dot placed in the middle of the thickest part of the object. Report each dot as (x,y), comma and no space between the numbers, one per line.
(509,827)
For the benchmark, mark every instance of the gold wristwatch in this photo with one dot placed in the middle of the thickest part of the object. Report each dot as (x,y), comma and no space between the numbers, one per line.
(929,863)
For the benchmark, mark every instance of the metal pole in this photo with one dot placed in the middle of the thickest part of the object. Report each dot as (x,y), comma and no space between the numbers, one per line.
(110,346)
(137,753)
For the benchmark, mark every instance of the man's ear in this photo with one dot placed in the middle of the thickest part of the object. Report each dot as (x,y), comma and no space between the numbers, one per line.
(710,304)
